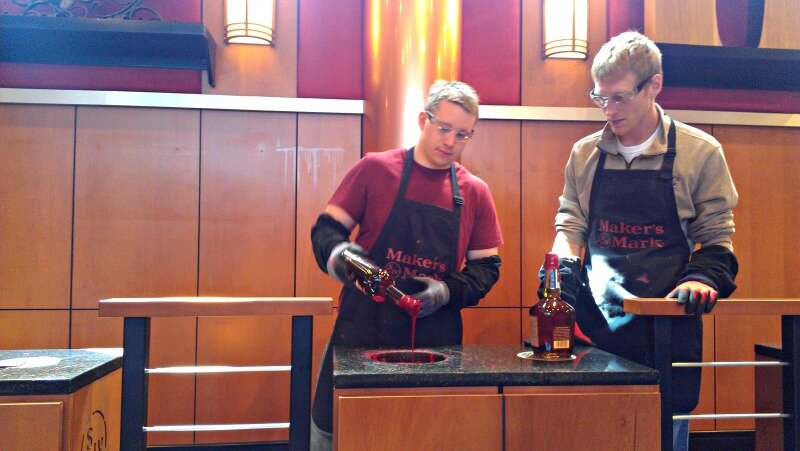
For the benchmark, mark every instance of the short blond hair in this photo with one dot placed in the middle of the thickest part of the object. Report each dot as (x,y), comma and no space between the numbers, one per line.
(631,52)
(457,92)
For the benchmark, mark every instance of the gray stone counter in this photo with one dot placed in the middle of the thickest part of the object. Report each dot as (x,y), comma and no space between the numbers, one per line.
(487,365)
(54,371)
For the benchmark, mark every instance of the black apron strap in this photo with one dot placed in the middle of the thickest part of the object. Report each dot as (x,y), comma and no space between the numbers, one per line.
(458,201)
(669,157)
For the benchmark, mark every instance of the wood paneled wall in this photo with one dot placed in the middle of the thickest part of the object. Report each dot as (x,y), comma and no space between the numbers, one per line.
(764,163)
(36,177)
(555,81)
(99,202)
(159,202)
(682,21)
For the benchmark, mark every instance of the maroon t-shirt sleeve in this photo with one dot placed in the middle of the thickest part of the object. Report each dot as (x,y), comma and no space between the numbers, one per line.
(484,230)
(350,195)
(367,192)
(487,234)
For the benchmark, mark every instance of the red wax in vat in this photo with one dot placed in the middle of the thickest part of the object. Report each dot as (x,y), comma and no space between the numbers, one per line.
(400,356)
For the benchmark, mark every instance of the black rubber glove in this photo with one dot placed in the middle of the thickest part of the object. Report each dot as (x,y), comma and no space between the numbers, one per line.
(434,296)
(698,297)
(471,284)
(326,234)
(715,266)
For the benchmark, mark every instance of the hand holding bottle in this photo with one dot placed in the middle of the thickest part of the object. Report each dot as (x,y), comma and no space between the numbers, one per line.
(372,280)
(337,268)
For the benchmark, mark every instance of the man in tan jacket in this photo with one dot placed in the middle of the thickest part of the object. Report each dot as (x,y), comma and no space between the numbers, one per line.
(647,204)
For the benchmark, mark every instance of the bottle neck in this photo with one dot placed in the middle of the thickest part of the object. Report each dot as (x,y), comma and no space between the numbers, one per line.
(552,285)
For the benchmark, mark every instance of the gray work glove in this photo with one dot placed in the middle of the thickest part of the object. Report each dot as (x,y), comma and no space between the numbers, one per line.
(337,268)
(435,295)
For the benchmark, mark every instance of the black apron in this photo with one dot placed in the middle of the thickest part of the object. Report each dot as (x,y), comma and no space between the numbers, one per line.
(413,232)
(636,243)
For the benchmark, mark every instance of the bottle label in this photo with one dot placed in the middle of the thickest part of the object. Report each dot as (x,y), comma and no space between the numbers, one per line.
(561,338)
(534,332)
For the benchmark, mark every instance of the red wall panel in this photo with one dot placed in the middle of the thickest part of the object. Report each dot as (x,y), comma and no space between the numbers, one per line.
(490,46)
(43,76)
(624,15)
(330,57)
(330,49)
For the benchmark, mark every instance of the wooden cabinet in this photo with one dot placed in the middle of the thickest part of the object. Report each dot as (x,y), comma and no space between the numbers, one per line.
(88,418)
(31,425)
(620,417)
(461,418)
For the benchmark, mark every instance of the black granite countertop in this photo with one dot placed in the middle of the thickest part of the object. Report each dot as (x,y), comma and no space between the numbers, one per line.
(54,371)
(487,365)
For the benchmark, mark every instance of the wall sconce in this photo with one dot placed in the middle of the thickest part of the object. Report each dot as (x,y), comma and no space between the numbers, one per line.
(249,21)
(565,24)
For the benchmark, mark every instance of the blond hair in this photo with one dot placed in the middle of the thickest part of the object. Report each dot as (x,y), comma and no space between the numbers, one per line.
(631,52)
(457,92)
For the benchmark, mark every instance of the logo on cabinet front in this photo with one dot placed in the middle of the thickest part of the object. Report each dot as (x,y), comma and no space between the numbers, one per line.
(95,433)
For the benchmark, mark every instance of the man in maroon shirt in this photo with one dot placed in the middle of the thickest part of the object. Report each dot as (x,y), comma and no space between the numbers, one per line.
(426,220)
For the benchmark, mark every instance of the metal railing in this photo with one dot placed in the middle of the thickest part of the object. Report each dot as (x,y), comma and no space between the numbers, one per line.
(137,313)
(663,310)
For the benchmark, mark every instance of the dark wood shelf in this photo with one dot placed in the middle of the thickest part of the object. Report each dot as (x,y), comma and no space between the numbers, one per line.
(107,42)
(705,66)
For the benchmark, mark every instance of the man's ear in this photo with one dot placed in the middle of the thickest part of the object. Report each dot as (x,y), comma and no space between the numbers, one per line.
(657,83)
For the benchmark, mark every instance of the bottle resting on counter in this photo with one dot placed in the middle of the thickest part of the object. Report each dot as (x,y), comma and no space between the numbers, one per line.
(552,319)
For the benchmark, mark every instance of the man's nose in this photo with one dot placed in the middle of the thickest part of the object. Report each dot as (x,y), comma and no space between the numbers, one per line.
(609,106)
(450,138)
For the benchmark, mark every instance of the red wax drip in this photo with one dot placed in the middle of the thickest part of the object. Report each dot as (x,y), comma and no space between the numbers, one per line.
(411,306)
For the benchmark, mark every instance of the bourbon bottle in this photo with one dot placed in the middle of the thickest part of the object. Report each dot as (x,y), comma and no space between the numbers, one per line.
(552,319)
(377,283)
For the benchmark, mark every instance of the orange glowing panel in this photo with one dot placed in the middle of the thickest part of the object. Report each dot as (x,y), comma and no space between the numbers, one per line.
(411,44)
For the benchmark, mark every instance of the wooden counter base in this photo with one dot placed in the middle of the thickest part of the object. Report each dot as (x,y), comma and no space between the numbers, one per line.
(86,419)
(620,417)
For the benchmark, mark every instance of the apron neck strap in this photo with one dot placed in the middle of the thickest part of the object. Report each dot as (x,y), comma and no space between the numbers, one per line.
(669,157)
(458,201)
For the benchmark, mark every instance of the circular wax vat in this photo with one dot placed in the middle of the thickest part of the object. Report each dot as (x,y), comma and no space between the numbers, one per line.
(407,356)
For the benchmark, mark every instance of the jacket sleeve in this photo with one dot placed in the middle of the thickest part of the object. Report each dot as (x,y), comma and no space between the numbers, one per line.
(325,235)
(472,283)
(715,266)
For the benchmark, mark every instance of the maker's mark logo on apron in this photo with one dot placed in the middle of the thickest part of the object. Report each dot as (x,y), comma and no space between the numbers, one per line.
(623,235)
(603,240)
(403,265)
